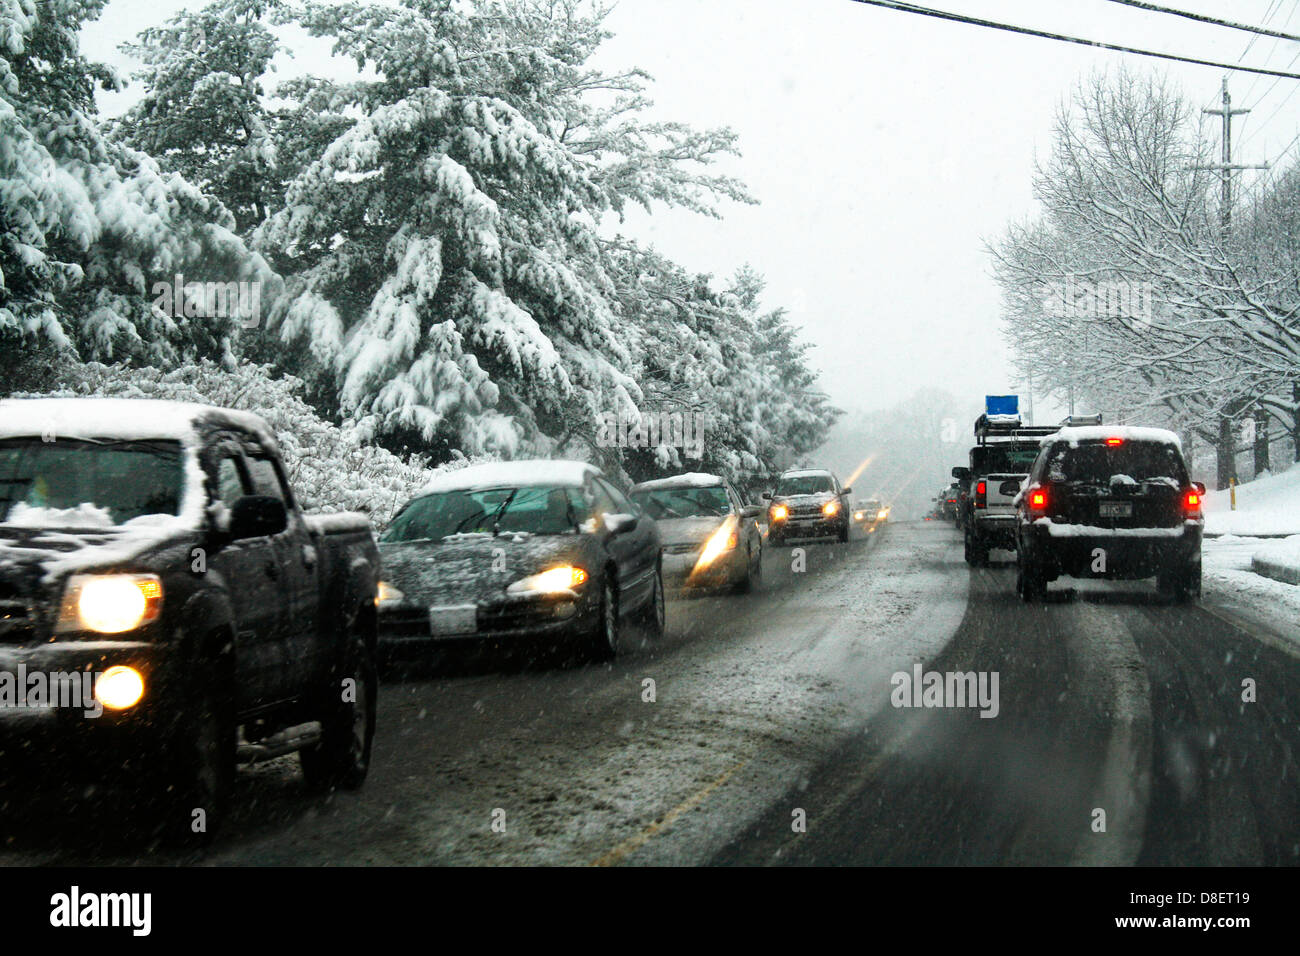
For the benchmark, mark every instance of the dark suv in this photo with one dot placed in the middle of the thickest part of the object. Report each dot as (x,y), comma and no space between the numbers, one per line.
(1110,502)
(805,504)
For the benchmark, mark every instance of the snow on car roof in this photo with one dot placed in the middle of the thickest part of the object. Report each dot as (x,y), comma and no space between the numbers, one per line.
(693,479)
(126,419)
(1080,433)
(507,474)
(807,473)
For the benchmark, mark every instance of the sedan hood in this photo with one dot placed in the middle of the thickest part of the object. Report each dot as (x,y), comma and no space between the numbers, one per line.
(696,530)
(474,569)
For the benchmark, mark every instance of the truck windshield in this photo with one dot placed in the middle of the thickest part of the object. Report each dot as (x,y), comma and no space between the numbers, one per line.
(79,483)
(665,503)
(530,510)
(995,459)
(804,485)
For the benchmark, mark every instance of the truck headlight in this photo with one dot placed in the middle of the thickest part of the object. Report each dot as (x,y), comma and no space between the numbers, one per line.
(109,603)
(386,595)
(555,581)
(119,687)
(831,509)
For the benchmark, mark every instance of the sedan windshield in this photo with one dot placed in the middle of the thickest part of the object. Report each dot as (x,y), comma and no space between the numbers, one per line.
(666,503)
(804,485)
(81,483)
(530,510)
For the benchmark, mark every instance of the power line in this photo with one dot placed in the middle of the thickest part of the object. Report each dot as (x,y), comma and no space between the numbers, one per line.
(1028,31)
(1202,18)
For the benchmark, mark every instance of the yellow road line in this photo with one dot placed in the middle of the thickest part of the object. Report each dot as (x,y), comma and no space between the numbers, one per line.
(631,843)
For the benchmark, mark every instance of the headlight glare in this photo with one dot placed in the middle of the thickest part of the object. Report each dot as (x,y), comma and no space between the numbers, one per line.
(555,581)
(110,603)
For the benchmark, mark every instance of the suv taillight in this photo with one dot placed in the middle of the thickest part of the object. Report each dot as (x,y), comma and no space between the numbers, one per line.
(1038,501)
(1192,502)
(981,494)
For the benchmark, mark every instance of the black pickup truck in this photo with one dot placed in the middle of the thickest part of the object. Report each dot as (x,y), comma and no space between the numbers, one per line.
(166,609)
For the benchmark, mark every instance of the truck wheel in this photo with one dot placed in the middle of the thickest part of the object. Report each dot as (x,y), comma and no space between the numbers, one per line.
(602,642)
(347,720)
(844,532)
(198,771)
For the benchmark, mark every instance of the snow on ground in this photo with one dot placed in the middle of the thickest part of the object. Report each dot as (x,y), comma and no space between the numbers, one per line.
(1228,577)
(1235,564)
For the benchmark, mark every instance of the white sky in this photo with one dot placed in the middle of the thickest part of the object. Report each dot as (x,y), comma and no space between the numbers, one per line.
(885,149)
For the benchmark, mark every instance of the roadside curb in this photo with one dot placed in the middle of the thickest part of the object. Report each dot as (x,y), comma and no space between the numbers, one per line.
(1286,573)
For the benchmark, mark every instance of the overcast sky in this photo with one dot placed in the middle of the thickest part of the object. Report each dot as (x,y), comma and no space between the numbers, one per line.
(885,149)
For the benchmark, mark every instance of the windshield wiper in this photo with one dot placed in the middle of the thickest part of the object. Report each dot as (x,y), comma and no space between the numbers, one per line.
(501,511)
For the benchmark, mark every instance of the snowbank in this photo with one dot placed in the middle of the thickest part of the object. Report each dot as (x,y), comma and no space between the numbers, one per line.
(1265,506)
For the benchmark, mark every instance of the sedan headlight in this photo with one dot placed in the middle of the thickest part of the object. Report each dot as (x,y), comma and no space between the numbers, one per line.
(109,603)
(724,539)
(555,581)
(386,595)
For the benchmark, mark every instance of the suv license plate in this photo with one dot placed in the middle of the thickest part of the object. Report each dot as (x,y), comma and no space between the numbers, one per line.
(1116,509)
(448,621)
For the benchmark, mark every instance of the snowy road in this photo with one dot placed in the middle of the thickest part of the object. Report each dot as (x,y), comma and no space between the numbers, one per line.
(773,710)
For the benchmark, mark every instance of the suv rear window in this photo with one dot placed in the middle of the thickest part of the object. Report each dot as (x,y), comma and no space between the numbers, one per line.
(1095,462)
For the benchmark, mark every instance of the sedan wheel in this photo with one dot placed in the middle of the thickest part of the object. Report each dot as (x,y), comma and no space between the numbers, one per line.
(604,641)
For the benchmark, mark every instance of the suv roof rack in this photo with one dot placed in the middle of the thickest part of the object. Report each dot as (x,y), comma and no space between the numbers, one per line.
(1009,427)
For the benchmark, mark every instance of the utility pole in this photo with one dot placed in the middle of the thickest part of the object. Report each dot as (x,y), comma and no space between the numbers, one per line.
(1226,166)
(1227,449)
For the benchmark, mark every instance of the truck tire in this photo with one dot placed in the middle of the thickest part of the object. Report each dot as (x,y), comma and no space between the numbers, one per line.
(844,533)
(197,769)
(347,719)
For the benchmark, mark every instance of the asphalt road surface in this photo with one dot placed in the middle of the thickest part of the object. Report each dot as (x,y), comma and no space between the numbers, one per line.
(760,730)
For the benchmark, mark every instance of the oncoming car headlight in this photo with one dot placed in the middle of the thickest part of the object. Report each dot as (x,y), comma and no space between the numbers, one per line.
(555,581)
(831,509)
(726,538)
(109,603)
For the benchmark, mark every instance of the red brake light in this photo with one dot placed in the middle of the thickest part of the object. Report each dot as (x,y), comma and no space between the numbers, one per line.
(1193,500)
(1038,500)
(1114,442)
(980,488)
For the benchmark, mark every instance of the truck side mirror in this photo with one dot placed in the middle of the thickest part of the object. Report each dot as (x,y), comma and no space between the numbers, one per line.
(257,516)
(960,473)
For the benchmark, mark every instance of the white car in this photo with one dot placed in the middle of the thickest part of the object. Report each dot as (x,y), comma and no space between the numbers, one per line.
(709,536)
